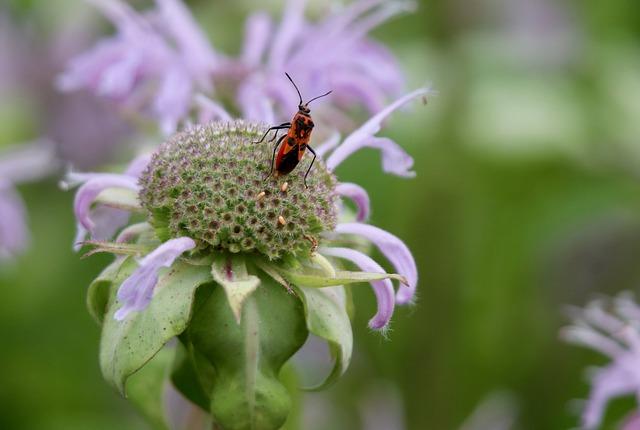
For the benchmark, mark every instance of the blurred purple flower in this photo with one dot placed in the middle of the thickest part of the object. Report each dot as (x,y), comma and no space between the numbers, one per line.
(84,130)
(334,53)
(159,63)
(612,328)
(14,234)
(20,164)
(154,63)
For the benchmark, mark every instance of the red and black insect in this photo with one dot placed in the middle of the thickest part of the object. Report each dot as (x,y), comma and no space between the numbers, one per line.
(296,141)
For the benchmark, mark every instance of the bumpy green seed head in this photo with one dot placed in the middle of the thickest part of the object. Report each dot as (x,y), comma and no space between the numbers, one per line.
(207,183)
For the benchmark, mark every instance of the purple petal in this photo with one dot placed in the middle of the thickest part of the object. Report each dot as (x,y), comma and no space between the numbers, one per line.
(632,422)
(609,382)
(29,161)
(381,65)
(383,289)
(107,221)
(14,235)
(131,232)
(394,249)
(586,336)
(192,42)
(119,79)
(394,159)
(123,16)
(137,290)
(138,165)
(358,195)
(349,85)
(88,192)
(287,33)
(609,330)
(173,99)
(256,37)
(81,236)
(387,10)
(210,110)
(361,136)
(255,104)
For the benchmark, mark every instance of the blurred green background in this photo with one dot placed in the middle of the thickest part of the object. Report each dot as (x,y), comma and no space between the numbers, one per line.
(527,200)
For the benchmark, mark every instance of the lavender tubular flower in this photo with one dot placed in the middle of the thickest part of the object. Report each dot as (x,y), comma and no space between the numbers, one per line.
(17,165)
(136,291)
(125,67)
(159,64)
(101,221)
(333,53)
(394,249)
(245,281)
(383,289)
(365,136)
(90,190)
(611,328)
(358,195)
(14,235)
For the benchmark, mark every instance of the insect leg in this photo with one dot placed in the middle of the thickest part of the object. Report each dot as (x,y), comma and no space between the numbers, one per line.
(275,127)
(310,165)
(275,136)
(273,159)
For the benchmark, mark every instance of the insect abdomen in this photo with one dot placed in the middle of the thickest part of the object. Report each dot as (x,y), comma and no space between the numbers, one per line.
(287,161)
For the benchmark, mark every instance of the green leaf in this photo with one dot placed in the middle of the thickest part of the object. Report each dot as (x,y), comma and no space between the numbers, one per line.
(127,345)
(116,248)
(291,381)
(186,377)
(99,290)
(315,278)
(145,389)
(326,317)
(230,272)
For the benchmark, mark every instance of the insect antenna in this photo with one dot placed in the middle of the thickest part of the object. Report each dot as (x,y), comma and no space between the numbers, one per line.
(295,86)
(316,98)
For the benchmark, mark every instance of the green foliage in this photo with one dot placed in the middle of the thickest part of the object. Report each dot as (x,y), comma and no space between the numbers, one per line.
(127,345)
(247,358)
(326,316)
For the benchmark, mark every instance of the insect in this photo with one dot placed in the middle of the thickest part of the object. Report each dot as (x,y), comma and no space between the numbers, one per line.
(295,142)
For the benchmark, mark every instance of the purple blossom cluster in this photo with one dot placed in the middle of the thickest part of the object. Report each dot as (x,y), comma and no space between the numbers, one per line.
(137,291)
(24,163)
(160,64)
(611,327)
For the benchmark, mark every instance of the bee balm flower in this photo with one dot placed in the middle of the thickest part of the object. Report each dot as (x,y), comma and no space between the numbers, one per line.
(613,329)
(235,261)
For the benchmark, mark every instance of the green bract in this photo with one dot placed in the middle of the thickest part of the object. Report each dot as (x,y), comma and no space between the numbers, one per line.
(235,334)
(208,183)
